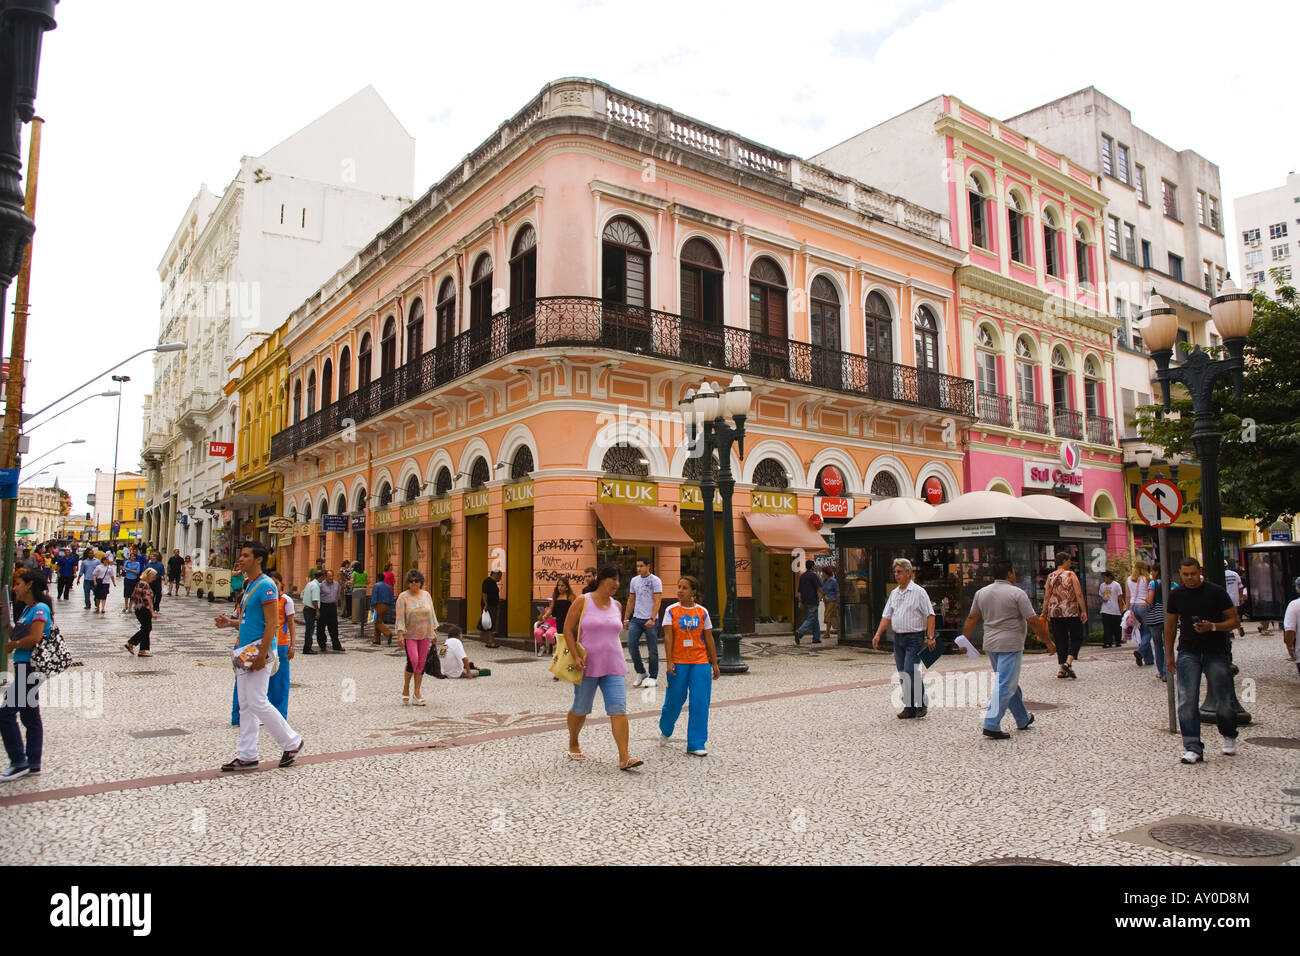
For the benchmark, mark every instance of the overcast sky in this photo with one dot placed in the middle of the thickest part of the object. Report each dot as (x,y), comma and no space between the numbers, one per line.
(143,101)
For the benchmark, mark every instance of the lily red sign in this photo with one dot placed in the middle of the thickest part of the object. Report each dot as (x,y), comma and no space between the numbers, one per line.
(221,449)
(831,481)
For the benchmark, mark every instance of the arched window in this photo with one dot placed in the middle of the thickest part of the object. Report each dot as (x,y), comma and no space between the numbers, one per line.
(1016,210)
(385,495)
(388,348)
(701,275)
(825,314)
(445,318)
(626,460)
(341,505)
(1091,387)
(311,391)
(306,512)
(323,508)
(523,269)
(415,330)
(625,263)
(363,362)
(1082,258)
(521,466)
(927,340)
(297,401)
(480,296)
(1060,379)
(345,370)
(246,443)
(1026,380)
(693,469)
(884,485)
(976,193)
(1051,243)
(880,328)
(986,362)
(767,298)
(22,524)
(360,504)
(479,473)
(293,514)
(412,488)
(327,383)
(442,483)
(770,473)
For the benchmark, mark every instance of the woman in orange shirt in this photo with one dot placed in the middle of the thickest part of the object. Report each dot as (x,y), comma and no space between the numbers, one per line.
(692,665)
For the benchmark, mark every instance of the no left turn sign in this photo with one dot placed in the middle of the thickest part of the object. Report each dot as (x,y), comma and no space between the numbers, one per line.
(1159,503)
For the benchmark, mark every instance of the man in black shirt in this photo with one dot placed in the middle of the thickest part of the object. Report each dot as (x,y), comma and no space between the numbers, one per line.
(810,593)
(174,565)
(491,601)
(1205,616)
(591,581)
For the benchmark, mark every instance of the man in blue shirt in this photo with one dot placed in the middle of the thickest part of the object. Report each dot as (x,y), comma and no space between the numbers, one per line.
(831,597)
(131,569)
(258,620)
(381,602)
(67,563)
(810,592)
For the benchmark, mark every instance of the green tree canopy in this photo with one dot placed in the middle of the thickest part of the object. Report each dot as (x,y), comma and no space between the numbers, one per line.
(1259,460)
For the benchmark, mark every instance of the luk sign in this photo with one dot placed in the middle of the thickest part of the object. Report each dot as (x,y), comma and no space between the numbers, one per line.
(628,492)
(1049,474)
(1160,503)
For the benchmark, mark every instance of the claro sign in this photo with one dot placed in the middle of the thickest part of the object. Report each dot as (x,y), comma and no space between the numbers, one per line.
(834,508)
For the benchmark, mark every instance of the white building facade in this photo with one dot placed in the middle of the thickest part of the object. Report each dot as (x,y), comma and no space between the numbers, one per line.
(40,510)
(1268,235)
(236,266)
(1164,227)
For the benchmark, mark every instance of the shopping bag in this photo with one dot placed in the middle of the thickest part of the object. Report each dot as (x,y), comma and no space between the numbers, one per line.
(485,622)
(562,663)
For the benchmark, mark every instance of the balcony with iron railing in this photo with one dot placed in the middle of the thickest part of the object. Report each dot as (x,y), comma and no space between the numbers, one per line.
(1067,423)
(992,409)
(560,323)
(1101,431)
(1032,417)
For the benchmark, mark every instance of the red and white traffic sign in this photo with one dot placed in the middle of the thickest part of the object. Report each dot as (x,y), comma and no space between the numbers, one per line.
(1159,503)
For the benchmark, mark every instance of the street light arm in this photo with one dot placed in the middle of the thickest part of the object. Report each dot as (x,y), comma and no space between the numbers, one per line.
(29,429)
(92,379)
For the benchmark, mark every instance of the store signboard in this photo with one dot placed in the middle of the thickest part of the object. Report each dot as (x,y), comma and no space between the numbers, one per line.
(440,509)
(692,499)
(334,523)
(279,526)
(773,503)
(624,492)
(833,509)
(1080,531)
(411,513)
(476,503)
(1050,474)
(519,495)
(383,517)
(938,532)
(358,522)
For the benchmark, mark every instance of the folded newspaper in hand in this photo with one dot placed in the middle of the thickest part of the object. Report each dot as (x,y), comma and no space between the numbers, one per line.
(967,646)
(244,656)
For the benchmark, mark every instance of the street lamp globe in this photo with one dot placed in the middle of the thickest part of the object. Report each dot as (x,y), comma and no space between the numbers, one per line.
(1162,325)
(1144,457)
(737,398)
(687,406)
(1232,311)
(706,403)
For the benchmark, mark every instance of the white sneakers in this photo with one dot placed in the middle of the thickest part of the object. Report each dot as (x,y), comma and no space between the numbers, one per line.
(664,741)
(1191,756)
(640,679)
(1230,746)
(649,682)
(698,753)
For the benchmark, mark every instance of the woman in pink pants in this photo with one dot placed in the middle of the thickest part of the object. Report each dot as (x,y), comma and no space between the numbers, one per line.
(415,625)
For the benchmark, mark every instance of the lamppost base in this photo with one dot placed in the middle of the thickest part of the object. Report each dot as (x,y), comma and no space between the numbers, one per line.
(729,661)
(1210,706)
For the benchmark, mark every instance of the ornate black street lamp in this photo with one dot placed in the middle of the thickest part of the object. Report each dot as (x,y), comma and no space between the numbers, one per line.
(1232,311)
(707,411)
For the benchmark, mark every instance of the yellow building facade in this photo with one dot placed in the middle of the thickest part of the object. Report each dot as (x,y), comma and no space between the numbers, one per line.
(127,509)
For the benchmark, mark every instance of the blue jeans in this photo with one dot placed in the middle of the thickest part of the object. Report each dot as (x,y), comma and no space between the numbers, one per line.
(1007,667)
(277,690)
(88,588)
(810,623)
(1218,674)
(907,661)
(20,701)
(635,628)
(613,691)
(697,680)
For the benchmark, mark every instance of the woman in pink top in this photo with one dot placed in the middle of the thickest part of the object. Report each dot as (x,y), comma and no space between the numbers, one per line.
(415,625)
(596,620)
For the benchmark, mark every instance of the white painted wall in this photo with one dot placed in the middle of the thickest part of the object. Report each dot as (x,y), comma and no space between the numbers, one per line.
(1259,211)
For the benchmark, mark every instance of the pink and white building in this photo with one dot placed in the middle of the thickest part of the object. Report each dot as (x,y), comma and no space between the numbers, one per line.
(1031,299)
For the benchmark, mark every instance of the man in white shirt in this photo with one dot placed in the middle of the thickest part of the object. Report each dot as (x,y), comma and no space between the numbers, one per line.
(1232,581)
(1112,610)
(645,592)
(453,659)
(310,609)
(910,613)
(1291,624)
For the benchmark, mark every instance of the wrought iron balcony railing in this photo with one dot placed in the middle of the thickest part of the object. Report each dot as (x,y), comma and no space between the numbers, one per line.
(1101,431)
(994,409)
(1033,417)
(561,322)
(1067,423)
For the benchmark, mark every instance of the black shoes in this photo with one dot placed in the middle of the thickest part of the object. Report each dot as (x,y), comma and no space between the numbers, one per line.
(996,734)
(238,765)
(797,638)
(286,759)
(907,713)
(1028,724)
(922,711)
(1137,656)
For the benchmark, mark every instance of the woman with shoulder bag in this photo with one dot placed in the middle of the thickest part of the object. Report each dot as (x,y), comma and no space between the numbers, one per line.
(597,620)
(20,700)
(1066,612)
(415,623)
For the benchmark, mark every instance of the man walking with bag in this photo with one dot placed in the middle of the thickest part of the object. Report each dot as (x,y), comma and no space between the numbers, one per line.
(258,620)
(909,611)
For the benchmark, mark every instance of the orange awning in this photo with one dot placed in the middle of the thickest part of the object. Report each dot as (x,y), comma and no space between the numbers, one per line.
(632,525)
(784,533)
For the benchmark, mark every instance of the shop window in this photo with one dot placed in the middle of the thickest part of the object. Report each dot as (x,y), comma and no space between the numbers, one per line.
(626,460)
(624,558)
(521,466)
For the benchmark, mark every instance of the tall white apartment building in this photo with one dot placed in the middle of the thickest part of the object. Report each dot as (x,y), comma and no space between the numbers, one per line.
(1164,227)
(1268,235)
(239,263)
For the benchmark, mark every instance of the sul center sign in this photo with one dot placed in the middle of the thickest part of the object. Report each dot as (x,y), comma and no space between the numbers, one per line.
(1050,474)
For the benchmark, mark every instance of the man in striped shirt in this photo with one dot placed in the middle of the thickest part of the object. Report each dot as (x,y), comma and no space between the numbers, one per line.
(911,614)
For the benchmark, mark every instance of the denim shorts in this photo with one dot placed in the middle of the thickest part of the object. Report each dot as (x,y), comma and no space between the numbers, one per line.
(613,691)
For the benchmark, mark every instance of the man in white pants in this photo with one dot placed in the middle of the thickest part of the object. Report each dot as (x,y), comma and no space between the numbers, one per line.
(259,625)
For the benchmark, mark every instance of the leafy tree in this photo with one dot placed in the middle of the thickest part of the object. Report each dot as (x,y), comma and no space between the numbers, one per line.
(1259,459)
